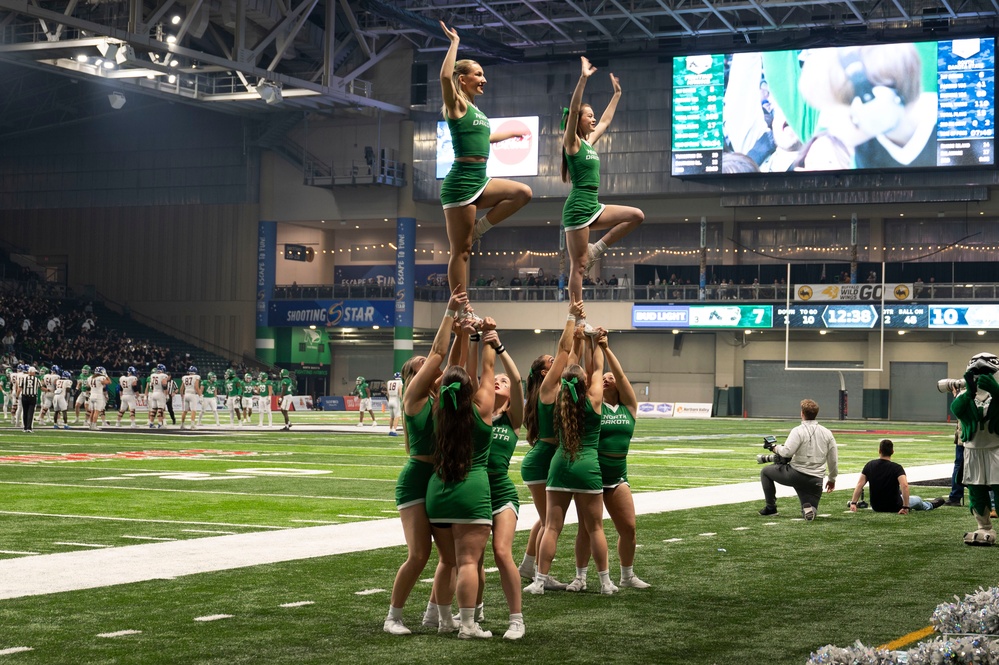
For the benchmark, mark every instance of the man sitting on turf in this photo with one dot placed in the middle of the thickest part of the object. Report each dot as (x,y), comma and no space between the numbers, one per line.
(809,448)
(889,486)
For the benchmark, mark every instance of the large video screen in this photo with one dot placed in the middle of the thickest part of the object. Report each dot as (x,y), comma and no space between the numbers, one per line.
(513,157)
(880,106)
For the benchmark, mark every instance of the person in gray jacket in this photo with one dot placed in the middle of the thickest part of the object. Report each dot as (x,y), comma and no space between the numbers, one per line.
(809,449)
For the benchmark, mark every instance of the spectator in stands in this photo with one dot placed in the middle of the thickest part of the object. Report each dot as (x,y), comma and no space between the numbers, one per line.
(8,342)
(25,325)
(87,325)
(918,284)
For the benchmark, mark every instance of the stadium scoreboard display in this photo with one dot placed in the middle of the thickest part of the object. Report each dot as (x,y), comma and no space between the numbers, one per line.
(829,109)
(894,316)
(855,317)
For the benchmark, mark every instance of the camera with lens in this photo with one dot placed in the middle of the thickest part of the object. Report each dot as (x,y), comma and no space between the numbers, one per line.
(773,458)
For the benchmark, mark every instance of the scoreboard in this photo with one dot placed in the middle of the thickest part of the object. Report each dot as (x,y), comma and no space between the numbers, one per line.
(894,316)
(853,317)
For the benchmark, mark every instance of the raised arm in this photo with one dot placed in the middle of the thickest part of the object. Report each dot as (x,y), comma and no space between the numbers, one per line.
(595,389)
(608,114)
(516,410)
(551,383)
(569,139)
(453,102)
(485,395)
(419,386)
(625,391)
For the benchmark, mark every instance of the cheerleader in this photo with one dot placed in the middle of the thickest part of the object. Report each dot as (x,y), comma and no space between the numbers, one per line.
(581,166)
(575,470)
(419,375)
(458,500)
(617,427)
(466,188)
(539,416)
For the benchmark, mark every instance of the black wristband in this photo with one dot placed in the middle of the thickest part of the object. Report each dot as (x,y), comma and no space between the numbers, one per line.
(474,337)
(500,350)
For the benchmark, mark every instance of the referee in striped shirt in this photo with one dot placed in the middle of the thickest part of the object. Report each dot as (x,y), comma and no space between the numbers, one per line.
(28,392)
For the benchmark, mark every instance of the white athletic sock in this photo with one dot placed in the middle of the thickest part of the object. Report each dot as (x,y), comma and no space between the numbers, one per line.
(395,613)
(528,561)
(431,609)
(444,612)
(581,572)
(539,577)
(627,572)
(481,226)
(604,576)
(467,615)
(599,247)
(519,616)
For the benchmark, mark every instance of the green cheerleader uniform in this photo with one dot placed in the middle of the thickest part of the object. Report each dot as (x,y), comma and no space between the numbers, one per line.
(583,475)
(466,181)
(411,488)
(617,426)
(502,491)
(538,460)
(465,501)
(581,207)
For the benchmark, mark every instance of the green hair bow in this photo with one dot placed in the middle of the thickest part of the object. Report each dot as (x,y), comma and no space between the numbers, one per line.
(565,118)
(452,390)
(571,386)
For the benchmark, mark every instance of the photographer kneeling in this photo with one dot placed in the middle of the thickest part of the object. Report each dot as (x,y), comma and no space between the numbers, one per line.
(809,448)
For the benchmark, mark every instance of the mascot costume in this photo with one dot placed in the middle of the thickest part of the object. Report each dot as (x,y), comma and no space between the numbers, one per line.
(978,418)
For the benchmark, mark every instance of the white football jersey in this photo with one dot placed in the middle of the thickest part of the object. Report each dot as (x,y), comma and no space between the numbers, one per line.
(158,382)
(190,383)
(63,386)
(394,388)
(129,385)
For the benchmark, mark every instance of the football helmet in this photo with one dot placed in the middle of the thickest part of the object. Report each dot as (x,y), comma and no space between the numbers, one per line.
(20,367)
(161,368)
(100,371)
(43,370)
(248,377)
(132,371)
(229,373)
(211,376)
(56,369)
(397,375)
(85,371)
(192,370)
(359,380)
(284,374)
(66,374)
(262,376)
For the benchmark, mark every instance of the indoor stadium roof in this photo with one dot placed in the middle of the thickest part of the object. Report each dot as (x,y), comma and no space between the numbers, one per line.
(250,56)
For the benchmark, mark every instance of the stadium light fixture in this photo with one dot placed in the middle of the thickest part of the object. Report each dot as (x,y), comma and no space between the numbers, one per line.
(269,92)
(116,99)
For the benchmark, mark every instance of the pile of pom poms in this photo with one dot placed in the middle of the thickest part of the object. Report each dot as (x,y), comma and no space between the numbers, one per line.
(969,634)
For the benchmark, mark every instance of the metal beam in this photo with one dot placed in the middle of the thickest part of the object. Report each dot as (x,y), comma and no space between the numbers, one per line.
(553,26)
(676,17)
(632,18)
(156,16)
(502,20)
(304,6)
(329,41)
(352,20)
(594,22)
(386,50)
(145,42)
(284,42)
(763,12)
(720,17)
(192,11)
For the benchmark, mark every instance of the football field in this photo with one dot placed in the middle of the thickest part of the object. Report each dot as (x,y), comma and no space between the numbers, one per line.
(248,545)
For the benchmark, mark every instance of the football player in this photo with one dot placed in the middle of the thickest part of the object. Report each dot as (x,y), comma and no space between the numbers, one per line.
(190,392)
(156,395)
(286,391)
(128,390)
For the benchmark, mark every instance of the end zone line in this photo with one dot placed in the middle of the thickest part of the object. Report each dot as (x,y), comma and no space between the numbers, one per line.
(136,519)
(914,636)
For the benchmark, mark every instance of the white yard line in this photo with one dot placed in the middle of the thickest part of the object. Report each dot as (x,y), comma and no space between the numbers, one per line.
(147,538)
(16,552)
(162,489)
(72,571)
(9,651)
(120,633)
(134,519)
(213,617)
(301,603)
